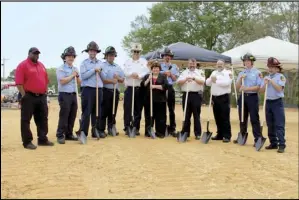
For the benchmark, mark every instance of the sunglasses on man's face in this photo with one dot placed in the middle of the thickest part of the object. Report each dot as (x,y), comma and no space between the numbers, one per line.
(136,51)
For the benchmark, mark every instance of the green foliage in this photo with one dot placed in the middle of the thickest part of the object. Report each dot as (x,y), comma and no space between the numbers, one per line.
(52,77)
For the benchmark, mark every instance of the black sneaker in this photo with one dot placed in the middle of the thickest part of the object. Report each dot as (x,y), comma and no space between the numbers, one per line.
(280,149)
(47,143)
(30,146)
(61,140)
(271,146)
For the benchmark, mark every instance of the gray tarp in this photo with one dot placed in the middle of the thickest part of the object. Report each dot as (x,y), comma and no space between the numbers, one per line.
(185,51)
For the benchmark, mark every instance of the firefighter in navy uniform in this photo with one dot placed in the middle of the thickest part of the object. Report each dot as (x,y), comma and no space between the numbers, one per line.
(112,74)
(195,78)
(171,71)
(252,81)
(89,69)
(67,96)
(275,115)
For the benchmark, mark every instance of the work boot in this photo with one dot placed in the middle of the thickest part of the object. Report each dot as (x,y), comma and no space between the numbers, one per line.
(110,131)
(61,140)
(217,137)
(30,146)
(226,140)
(137,132)
(102,134)
(71,137)
(197,137)
(235,141)
(47,143)
(280,149)
(271,146)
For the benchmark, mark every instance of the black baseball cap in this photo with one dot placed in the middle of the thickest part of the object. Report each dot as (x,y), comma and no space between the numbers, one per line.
(34,50)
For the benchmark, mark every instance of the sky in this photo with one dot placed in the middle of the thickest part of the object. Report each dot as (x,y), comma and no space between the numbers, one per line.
(53,26)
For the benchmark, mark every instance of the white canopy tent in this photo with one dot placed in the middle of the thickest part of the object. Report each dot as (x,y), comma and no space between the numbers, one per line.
(262,49)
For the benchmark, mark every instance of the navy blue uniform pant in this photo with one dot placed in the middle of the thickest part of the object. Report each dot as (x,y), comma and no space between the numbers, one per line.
(251,107)
(221,110)
(67,114)
(88,102)
(193,108)
(275,118)
(34,105)
(107,108)
(171,108)
(128,107)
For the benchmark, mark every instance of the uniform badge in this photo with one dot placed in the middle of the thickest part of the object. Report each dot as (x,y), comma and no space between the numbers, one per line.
(282,78)
(260,75)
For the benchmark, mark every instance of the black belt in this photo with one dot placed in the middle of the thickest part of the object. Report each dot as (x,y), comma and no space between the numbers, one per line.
(273,100)
(223,95)
(35,94)
(199,92)
(250,94)
(111,90)
(136,87)
(68,93)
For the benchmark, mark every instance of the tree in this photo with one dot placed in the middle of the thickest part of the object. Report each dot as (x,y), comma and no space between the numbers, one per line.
(52,77)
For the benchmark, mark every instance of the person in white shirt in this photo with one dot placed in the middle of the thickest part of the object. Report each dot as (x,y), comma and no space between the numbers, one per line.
(220,82)
(192,79)
(134,69)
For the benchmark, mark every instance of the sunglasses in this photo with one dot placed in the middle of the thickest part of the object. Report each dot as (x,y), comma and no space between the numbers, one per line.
(136,51)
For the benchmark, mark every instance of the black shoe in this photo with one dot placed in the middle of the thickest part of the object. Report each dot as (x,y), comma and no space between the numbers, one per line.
(197,137)
(47,143)
(271,146)
(61,140)
(127,132)
(137,132)
(173,133)
(217,138)
(147,135)
(110,131)
(103,134)
(226,140)
(280,149)
(71,137)
(30,146)
(235,141)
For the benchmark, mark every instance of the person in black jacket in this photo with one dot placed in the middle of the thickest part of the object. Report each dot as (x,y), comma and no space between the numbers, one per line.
(159,87)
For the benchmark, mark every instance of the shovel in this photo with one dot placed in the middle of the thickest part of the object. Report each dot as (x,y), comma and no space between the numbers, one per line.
(235,89)
(261,140)
(96,129)
(242,137)
(132,129)
(182,137)
(151,131)
(80,134)
(114,132)
(167,114)
(206,136)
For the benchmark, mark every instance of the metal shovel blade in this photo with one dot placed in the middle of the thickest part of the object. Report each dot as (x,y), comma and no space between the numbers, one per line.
(206,136)
(242,138)
(81,137)
(97,133)
(260,143)
(132,132)
(166,132)
(152,133)
(113,130)
(183,137)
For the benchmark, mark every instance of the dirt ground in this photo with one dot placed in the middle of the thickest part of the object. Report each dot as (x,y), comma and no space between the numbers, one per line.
(120,167)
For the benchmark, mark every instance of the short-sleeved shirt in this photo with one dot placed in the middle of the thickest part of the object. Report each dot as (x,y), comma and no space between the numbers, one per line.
(192,86)
(108,72)
(33,76)
(223,82)
(135,66)
(253,78)
(64,71)
(272,93)
(174,70)
(88,74)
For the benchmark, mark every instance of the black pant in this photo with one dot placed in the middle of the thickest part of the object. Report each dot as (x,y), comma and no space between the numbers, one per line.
(67,114)
(128,107)
(159,117)
(221,110)
(88,102)
(142,96)
(251,106)
(38,107)
(107,107)
(193,107)
(171,108)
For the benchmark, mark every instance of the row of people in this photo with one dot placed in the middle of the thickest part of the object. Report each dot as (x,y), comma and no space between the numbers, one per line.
(101,78)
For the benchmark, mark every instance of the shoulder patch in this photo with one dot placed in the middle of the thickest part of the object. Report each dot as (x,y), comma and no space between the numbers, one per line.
(282,78)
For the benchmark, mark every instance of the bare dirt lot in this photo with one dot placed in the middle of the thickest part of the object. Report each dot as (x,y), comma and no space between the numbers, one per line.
(120,167)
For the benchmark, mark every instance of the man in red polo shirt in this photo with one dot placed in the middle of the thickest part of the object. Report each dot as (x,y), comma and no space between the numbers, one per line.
(32,82)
